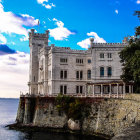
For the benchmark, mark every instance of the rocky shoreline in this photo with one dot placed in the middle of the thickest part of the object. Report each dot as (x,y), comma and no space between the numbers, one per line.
(107,117)
(31,128)
(131,133)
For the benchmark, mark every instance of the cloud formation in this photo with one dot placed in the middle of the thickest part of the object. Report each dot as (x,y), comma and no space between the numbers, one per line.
(116,11)
(86,42)
(46,4)
(3,40)
(14,69)
(60,32)
(138,1)
(12,23)
(4,49)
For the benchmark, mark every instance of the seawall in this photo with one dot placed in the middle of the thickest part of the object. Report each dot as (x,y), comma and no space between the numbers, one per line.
(107,116)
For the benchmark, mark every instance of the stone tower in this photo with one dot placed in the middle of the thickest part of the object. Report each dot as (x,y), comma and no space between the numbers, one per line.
(36,42)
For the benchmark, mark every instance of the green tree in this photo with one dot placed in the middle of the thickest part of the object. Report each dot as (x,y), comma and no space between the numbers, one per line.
(130,59)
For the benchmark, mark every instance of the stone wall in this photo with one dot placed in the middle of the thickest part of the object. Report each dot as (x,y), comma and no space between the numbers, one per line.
(107,116)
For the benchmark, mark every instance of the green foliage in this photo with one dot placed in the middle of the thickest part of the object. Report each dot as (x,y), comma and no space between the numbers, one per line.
(130,59)
(72,107)
(137,13)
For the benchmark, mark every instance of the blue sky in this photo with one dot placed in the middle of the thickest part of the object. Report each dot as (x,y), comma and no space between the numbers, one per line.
(111,20)
(71,24)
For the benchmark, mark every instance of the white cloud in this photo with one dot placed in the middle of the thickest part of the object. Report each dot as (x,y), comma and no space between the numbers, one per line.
(46,4)
(138,1)
(3,40)
(86,42)
(97,39)
(116,11)
(41,1)
(14,72)
(60,32)
(12,23)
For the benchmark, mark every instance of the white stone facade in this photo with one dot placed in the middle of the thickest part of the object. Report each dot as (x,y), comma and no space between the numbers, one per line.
(56,70)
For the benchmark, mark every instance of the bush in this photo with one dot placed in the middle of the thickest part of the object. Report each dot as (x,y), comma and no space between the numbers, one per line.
(73,107)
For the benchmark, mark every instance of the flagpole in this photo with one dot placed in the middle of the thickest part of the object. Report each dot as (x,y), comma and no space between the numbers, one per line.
(38,25)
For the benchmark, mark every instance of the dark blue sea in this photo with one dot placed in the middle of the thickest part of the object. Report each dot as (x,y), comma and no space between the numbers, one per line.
(8,110)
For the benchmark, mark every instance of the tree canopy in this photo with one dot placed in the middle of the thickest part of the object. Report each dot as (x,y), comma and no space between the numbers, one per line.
(130,59)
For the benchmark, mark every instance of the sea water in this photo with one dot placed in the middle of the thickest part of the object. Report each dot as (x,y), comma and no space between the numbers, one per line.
(8,111)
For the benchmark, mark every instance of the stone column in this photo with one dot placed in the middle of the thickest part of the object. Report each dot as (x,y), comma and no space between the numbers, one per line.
(117,90)
(27,114)
(101,90)
(123,89)
(93,90)
(130,89)
(109,90)
(86,90)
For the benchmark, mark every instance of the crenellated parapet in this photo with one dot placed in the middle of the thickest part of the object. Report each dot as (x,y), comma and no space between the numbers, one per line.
(109,45)
(38,36)
(69,50)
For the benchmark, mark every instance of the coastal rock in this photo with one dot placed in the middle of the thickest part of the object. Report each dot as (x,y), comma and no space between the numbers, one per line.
(73,125)
(131,133)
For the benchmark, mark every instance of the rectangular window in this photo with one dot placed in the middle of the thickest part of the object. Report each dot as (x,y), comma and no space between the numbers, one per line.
(79,89)
(63,89)
(63,60)
(101,71)
(109,71)
(79,75)
(89,74)
(101,55)
(79,61)
(109,55)
(89,61)
(63,74)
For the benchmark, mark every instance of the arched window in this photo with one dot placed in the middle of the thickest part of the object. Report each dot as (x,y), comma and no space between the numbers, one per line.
(101,71)
(109,71)
(89,74)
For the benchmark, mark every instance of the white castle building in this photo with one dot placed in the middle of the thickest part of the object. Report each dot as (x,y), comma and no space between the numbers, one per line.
(56,70)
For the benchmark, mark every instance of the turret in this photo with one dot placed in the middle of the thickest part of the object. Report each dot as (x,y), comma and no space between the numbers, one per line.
(36,42)
(32,31)
(91,42)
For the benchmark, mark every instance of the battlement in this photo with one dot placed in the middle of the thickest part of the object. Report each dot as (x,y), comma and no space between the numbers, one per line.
(109,44)
(68,50)
(39,36)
